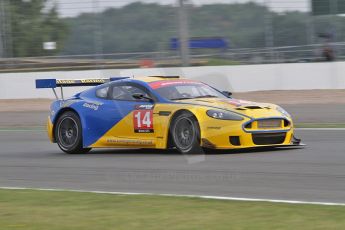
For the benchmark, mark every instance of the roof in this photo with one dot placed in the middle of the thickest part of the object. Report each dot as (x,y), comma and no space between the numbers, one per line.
(157,78)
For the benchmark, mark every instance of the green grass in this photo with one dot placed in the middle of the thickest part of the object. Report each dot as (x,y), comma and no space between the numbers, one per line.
(35,210)
(221,62)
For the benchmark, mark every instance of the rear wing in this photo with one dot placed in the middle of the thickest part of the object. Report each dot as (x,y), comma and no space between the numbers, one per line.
(56,83)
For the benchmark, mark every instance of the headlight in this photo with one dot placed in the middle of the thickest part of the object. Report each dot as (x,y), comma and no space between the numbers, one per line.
(224,115)
(283,111)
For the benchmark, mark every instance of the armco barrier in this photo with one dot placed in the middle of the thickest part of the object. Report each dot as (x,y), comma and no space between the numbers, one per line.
(296,76)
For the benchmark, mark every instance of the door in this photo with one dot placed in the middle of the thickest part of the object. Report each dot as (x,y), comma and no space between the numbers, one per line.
(135,126)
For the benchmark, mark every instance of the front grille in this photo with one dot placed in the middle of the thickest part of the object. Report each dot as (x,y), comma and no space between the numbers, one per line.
(268,138)
(269,123)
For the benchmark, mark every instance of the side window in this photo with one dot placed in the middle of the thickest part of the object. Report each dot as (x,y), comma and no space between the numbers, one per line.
(102,92)
(125,92)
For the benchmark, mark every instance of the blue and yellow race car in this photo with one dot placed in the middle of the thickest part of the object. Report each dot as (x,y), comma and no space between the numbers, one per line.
(161,112)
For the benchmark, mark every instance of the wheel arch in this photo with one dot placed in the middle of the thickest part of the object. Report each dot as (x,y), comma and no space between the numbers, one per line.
(59,114)
(176,113)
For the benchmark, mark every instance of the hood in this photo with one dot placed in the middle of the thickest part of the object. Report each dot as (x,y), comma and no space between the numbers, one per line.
(248,108)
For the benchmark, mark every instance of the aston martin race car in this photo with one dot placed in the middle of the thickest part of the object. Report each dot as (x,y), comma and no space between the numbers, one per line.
(161,112)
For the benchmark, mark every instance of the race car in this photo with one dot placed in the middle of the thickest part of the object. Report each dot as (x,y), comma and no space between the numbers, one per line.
(161,112)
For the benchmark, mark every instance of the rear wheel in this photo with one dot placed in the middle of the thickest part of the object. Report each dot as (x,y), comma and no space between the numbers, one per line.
(185,133)
(68,133)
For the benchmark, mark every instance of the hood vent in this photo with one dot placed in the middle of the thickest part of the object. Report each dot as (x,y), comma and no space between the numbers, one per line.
(252,107)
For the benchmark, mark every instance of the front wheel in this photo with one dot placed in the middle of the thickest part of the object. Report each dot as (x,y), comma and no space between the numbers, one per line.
(68,133)
(185,133)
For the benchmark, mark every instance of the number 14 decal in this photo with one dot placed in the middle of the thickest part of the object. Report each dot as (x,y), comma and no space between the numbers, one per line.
(143,121)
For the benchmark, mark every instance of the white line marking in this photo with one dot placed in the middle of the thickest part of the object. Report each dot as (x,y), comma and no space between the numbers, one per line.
(186,196)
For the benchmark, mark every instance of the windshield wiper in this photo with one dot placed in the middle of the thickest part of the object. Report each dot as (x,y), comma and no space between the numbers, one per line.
(204,96)
(181,98)
(184,98)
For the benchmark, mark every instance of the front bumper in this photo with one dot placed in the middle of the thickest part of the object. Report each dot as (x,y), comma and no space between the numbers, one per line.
(294,143)
(233,135)
(247,144)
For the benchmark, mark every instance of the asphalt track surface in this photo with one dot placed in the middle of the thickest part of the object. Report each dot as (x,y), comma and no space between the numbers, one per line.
(314,174)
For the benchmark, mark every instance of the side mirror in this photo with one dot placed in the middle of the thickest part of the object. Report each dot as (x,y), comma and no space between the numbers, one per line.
(227,93)
(140,96)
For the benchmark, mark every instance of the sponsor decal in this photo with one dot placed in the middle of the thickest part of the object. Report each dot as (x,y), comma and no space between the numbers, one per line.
(129,141)
(93,81)
(93,106)
(65,81)
(82,81)
(160,84)
(143,119)
(144,107)
(214,127)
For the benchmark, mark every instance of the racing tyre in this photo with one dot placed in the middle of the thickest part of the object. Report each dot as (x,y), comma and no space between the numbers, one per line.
(68,134)
(185,134)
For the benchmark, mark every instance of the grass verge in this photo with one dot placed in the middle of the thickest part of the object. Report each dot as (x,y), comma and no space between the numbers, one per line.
(29,209)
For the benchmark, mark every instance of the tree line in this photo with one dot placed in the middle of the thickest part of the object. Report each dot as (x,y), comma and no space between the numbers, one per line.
(140,27)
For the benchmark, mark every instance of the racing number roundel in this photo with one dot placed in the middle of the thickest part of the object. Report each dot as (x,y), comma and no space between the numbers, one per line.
(143,121)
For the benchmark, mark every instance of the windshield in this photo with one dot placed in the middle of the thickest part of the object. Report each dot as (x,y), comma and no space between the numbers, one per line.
(181,90)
